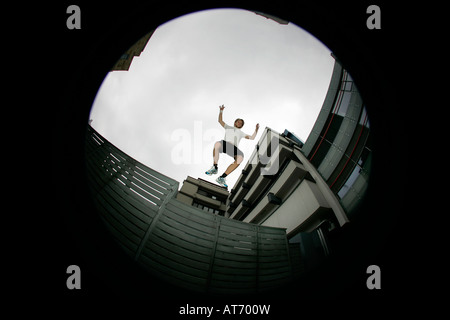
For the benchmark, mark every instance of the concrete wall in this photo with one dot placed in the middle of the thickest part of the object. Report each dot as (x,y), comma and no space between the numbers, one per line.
(304,210)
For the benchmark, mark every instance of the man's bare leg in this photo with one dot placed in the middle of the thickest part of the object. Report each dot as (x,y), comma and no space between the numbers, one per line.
(214,168)
(217,146)
(234,165)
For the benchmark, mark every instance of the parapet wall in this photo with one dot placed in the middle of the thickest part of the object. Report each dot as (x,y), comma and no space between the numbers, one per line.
(181,244)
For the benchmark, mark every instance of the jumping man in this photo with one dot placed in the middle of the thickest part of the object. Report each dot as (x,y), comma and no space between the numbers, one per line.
(229,145)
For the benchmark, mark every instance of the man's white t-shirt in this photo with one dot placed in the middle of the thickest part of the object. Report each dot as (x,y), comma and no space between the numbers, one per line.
(233,135)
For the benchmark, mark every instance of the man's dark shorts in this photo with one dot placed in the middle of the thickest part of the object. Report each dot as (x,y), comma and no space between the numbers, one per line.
(230,149)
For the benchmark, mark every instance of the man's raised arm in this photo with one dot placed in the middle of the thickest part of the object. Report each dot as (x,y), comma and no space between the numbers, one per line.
(220,116)
(252,137)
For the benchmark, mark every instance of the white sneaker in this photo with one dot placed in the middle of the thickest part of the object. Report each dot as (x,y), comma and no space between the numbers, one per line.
(211,171)
(222,182)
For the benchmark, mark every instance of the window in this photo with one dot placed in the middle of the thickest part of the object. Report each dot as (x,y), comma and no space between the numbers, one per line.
(361,168)
(206,194)
(346,187)
(205,208)
(344,103)
(365,118)
(348,86)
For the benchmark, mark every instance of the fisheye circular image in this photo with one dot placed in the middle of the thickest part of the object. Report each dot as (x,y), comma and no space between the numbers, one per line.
(225,149)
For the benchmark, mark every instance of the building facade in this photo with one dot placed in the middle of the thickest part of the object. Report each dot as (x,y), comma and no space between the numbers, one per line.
(203,195)
(280,187)
(339,144)
(310,188)
(125,60)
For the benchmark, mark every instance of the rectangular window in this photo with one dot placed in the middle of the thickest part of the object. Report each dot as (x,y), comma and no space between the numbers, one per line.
(364,117)
(348,86)
(344,103)
(346,187)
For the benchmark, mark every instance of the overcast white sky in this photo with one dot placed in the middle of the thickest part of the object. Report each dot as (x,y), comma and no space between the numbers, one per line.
(163,111)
